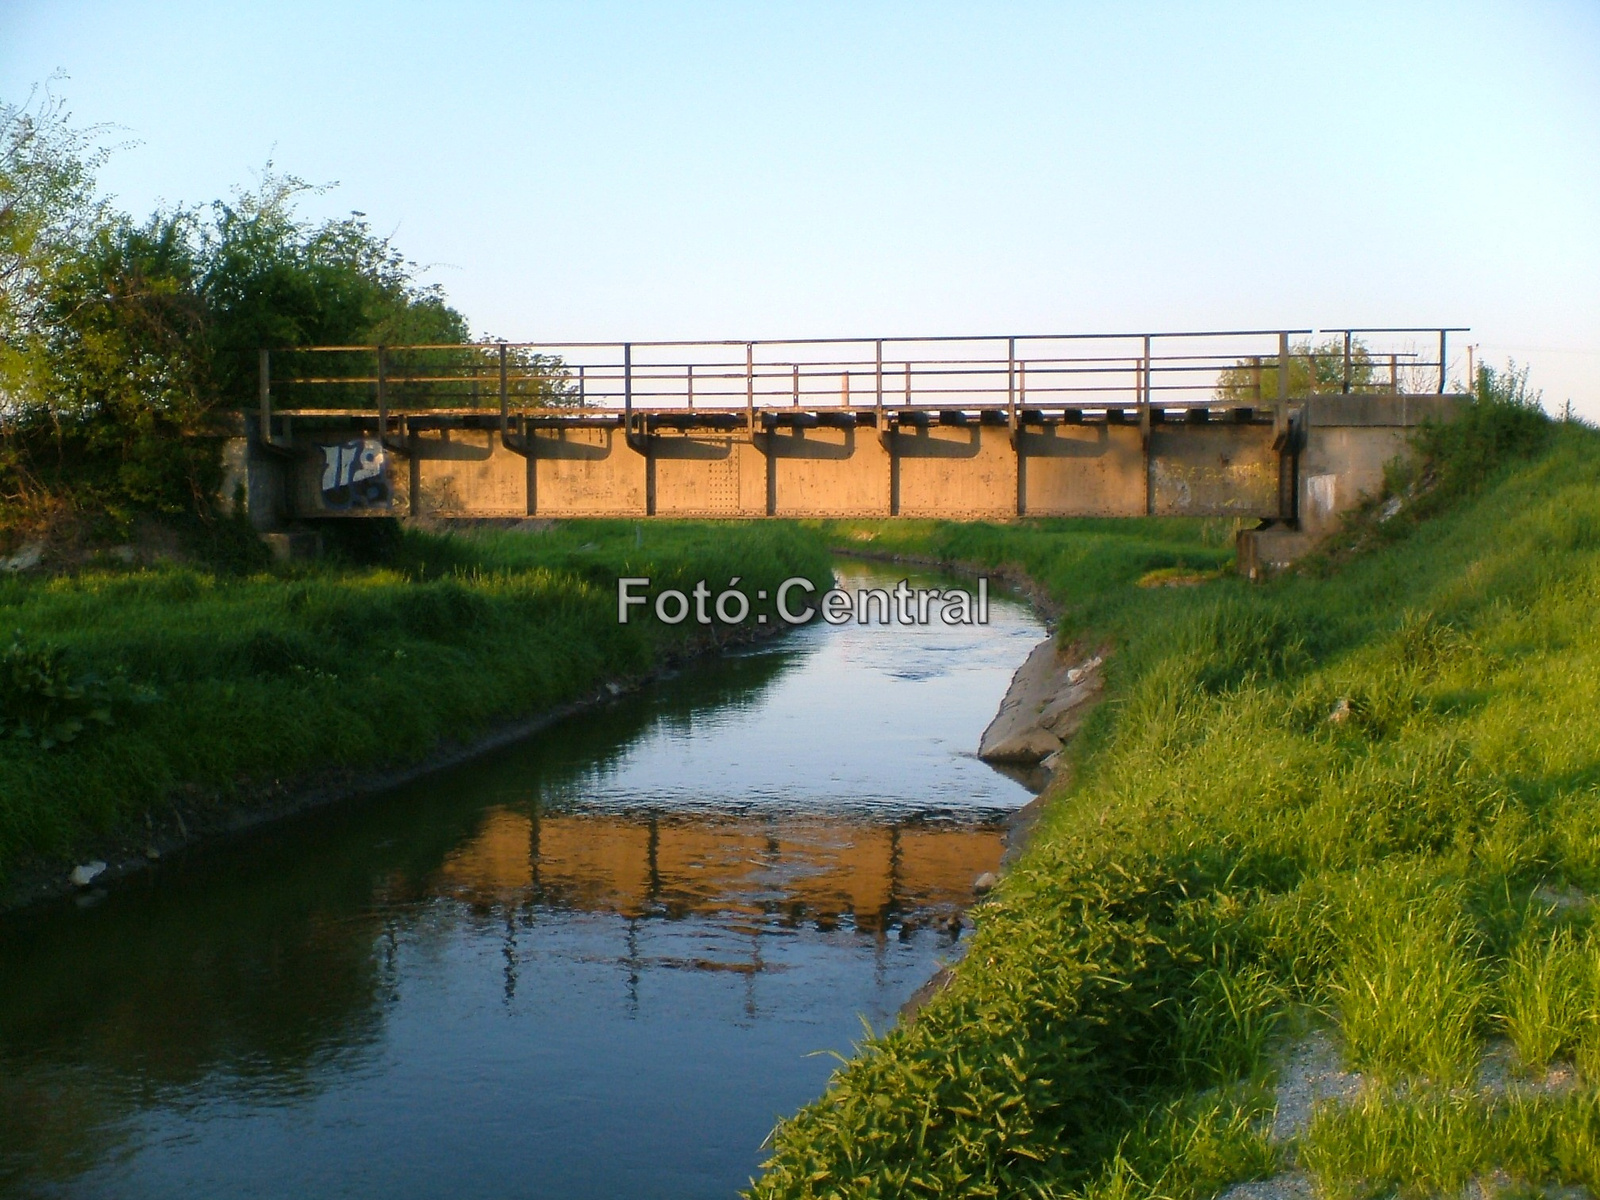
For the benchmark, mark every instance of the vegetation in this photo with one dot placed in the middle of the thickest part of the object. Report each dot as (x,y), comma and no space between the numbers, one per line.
(1313,370)
(122,340)
(1364,795)
(130,689)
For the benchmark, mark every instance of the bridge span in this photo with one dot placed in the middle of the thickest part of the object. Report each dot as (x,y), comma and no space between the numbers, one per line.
(1284,426)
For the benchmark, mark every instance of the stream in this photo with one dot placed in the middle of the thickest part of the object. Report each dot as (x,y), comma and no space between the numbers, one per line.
(600,963)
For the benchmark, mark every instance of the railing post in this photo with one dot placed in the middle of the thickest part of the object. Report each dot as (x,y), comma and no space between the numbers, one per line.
(1280,419)
(1346,387)
(583,398)
(264,365)
(1442,362)
(796,385)
(689,383)
(1016,379)
(1255,379)
(908,382)
(505,397)
(1144,393)
(1394,374)
(1011,383)
(750,385)
(879,402)
(383,395)
(627,388)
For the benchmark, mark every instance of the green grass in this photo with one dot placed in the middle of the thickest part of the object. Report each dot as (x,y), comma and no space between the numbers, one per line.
(1433,1143)
(267,676)
(1340,796)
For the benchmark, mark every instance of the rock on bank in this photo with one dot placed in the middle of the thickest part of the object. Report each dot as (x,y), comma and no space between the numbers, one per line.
(1049,698)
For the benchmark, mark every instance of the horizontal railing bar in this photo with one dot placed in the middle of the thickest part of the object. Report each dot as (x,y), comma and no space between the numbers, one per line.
(819,341)
(1031,402)
(920,367)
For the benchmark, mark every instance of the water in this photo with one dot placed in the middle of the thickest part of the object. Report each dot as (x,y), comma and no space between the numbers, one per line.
(602,963)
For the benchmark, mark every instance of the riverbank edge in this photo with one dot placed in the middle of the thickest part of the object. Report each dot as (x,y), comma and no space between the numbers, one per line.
(211,816)
(1020,824)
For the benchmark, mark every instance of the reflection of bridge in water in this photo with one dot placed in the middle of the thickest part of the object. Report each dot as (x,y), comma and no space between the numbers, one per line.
(1195,424)
(822,871)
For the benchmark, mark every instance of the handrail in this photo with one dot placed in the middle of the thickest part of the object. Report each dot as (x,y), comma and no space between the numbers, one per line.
(1134,371)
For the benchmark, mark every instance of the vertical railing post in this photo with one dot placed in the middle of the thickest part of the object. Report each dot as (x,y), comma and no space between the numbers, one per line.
(750,385)
(1020,470)
(1443,363)
(879,402)
(505,391)
(1144,392)
(1346,388)
(383,394)
(1255,380)
(689,384)
(1011,383)
(264,365)
(796,385)
(908,382)
(1280,419)
(1394,374)
(583,397)
(627,389)
(1144,433)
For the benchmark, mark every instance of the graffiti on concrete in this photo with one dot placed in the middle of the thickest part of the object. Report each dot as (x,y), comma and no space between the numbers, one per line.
(355,474)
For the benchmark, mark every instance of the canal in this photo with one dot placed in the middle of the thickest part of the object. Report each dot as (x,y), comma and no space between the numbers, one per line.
(601,963)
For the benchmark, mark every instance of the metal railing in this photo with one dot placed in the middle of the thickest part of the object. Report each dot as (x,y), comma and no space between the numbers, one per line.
(1017,375)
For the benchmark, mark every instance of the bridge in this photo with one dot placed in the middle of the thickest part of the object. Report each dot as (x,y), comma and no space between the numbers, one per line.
(1287,427)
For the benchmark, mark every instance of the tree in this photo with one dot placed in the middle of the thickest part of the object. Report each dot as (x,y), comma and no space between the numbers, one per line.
(273,280)
(121,365)
(120,339)
(47,201)
(1312,371)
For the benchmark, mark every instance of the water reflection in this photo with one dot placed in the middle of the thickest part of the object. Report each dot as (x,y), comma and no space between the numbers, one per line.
(595,965)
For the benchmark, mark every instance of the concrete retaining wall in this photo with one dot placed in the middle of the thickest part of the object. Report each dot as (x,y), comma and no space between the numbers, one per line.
(918,466)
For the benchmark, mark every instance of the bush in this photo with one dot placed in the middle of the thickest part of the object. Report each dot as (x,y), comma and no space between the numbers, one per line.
(42,700)
(1504,420)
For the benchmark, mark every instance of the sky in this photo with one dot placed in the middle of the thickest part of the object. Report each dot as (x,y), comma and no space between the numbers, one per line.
(603,171)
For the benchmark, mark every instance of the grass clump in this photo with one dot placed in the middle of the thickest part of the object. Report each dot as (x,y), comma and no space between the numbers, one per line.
(1439,1141)
(1336,797)
(1409,993)
(1551,1000)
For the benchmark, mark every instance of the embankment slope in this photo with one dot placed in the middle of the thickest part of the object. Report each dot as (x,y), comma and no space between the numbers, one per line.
(1359,803)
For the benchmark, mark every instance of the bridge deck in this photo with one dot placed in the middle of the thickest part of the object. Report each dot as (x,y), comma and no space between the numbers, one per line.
(1209,429)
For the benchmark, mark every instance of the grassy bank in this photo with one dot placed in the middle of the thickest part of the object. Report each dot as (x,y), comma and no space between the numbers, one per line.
(129,690)
(1365,797)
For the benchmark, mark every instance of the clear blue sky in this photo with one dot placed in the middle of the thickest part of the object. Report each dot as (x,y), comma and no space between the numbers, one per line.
(755,170)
